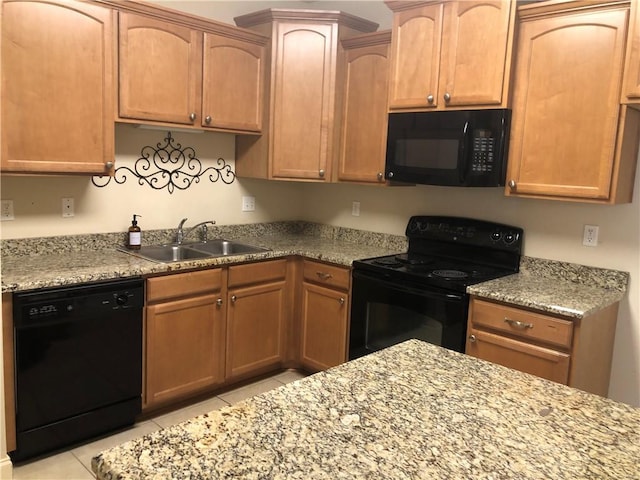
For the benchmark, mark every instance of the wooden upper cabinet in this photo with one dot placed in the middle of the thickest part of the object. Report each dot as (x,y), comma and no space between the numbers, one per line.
(57,87)
(177,74)
(631,90)
(450,55)
(233,84)
(570,138)
(304,110)
(415,57)
(302,100)
(364,115)
(160,74)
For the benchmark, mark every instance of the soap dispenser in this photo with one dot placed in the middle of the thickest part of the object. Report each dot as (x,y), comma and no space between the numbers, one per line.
(135,235)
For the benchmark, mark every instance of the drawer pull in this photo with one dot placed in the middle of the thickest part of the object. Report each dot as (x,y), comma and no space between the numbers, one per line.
(472,338)
(518,324)
(324,276)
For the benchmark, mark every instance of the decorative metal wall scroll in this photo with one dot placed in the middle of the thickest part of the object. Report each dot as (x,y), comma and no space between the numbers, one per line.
(168,166)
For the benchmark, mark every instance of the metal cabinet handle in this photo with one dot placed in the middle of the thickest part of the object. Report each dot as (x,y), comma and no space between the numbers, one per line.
(233,298)
(472,338)
(430,99)
(321,173)
(518,323)
(324,275)
(207,119)
(380,176)
(447,97)
(390,174)
(192,117)
(341,300)
(219,302)
(108,165)
(512,184)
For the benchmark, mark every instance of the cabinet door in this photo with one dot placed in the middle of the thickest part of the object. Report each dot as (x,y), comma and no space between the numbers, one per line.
(185,347)
(631,92)
(160,70)
(303,100)
(255,328)
(415,57)
(565,110)
(324,327)
(539,361)
(475,53)
(233,84)
(364,127)
(57,87)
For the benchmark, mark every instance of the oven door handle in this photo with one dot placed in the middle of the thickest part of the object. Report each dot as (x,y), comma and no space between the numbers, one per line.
(426,292)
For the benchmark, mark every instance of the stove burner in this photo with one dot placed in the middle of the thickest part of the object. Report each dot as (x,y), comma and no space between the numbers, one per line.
(413,259)
(388,262)
(450,274)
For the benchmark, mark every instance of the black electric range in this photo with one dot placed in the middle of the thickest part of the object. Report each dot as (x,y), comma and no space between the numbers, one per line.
(451,253)
(421,293)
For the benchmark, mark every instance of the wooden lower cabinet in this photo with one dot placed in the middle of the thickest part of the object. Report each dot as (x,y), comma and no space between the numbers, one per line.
(574,352)
(184,350)
(256,318)
(325,313)
(536,360)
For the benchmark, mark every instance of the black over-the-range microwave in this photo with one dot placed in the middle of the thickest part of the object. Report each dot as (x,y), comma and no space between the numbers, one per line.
(466,148)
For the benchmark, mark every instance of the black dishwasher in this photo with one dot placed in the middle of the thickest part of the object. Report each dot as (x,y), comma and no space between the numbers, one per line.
(78,363)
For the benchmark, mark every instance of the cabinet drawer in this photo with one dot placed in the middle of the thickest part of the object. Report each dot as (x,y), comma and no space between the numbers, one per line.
(328,275)
(521,323)
(181,284)
(257,272)
(539,361)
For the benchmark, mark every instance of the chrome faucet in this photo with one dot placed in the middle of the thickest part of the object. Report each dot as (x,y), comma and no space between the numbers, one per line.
(181,234)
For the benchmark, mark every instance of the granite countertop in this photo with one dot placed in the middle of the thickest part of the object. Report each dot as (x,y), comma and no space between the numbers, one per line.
(571,290)
(411,411)
(27,272)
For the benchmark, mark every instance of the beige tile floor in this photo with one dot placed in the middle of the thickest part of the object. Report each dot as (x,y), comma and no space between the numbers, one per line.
(75,464)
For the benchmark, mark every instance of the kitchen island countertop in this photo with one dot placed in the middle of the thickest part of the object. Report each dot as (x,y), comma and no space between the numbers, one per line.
(411,411)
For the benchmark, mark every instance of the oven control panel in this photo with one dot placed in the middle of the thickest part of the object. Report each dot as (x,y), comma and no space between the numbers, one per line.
(467,231)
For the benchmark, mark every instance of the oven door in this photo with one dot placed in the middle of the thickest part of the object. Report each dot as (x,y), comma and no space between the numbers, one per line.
(385,312)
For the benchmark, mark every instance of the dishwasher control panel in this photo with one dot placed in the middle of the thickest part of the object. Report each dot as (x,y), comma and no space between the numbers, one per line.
(83,301)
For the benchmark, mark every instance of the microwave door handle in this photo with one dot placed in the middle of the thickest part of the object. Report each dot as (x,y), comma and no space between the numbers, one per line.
(462,172)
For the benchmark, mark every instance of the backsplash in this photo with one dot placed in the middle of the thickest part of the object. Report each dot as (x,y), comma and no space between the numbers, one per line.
(575,273)
(108,241)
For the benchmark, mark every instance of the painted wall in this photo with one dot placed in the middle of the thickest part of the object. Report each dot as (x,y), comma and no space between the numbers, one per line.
(37,200)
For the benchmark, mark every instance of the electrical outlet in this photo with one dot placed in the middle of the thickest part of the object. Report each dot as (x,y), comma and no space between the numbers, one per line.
(67,207)
(6,212)
(355,209)
(590,236)
(248,204)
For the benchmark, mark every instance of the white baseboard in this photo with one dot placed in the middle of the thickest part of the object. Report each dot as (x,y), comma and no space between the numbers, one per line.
(6,468)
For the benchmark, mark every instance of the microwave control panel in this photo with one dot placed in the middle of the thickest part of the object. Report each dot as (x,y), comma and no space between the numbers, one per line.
(482,152)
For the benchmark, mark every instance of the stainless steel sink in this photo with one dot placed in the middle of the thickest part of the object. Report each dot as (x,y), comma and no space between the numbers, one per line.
(195,250)
(170,253)
(220,247)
